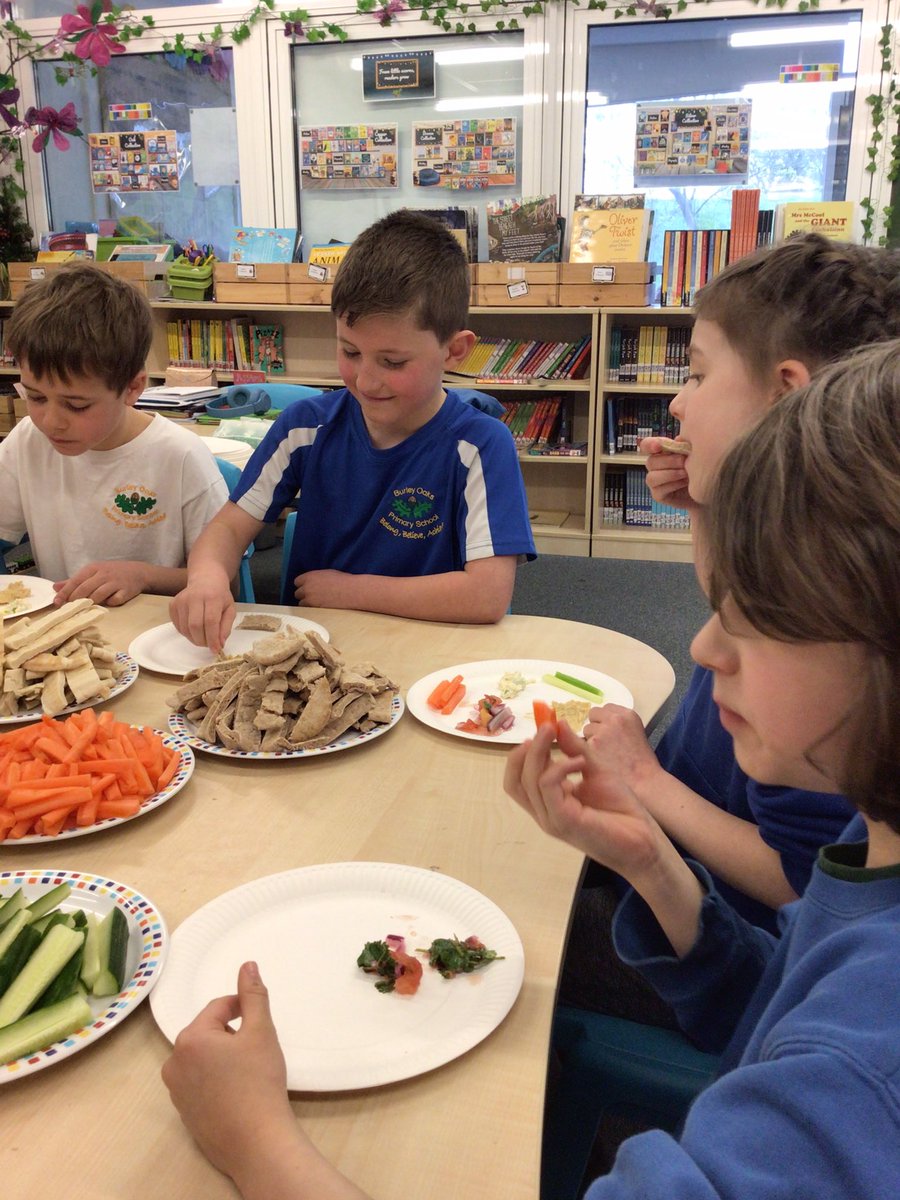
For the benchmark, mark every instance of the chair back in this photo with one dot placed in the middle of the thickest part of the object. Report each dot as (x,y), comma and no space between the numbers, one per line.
(232,475)
(290,526)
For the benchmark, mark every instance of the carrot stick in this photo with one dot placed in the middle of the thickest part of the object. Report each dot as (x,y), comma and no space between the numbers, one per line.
(441,693)
(50,803)
(128,806)
(169,770)
(453,699)
(86,814)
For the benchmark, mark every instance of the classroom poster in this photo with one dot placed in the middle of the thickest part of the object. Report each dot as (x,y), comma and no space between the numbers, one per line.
(466,155)
(684,140)
(348,156)
(145,161)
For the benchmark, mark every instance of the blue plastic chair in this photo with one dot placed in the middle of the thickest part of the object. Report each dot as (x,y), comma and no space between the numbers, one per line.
(232,474)
(606,1065)
(290,525)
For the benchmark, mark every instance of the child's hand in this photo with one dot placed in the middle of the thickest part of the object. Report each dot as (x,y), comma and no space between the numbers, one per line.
(666,477)
(204,612)
(109,583)
(326,589)
(230,1087)
(579,801)
(618,739)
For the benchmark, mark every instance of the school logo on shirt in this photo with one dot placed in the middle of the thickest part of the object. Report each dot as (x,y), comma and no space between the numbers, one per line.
(411,514)
(134,507)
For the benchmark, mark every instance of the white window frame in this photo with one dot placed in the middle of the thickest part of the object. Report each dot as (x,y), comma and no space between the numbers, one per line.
(859,181)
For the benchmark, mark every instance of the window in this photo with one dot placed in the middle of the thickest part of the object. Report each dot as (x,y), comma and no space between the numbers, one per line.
(194,103)
(478,76)
(799,146)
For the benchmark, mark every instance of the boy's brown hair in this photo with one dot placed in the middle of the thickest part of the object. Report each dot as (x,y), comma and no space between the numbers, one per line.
(82,320)
(804,538)
(406,263)
(808,298)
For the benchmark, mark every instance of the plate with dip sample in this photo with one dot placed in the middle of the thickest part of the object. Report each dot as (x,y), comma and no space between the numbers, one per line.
(483,678)
(24,594)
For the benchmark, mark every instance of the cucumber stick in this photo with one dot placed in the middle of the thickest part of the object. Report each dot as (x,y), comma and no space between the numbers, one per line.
(90,961)
(56,948)
(64,984)
(112,937)
(43,1027)
(11,905)
(596,697)
(17,955)
(12,929)
(49,900)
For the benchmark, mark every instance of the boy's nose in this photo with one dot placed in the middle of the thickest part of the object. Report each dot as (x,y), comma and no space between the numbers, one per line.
(676,405)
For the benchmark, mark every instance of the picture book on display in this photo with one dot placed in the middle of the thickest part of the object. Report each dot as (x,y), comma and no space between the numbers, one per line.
(252,244)
(831,218)
(267,349)
(462,223)
(523,229)
(603,233)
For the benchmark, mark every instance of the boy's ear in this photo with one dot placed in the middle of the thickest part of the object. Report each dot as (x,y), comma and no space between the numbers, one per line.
(458,347)
(134,389)
(791,374)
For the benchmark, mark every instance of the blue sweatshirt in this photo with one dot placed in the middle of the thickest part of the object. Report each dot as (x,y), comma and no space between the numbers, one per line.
(698,751)
(807,1105)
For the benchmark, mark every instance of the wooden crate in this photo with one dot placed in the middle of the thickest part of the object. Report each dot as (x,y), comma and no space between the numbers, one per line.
(251,283)
(528,285)
(595,285)
(147,277)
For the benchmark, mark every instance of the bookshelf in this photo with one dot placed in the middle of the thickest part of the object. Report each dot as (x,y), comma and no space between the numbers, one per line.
(641,408)
(565,494)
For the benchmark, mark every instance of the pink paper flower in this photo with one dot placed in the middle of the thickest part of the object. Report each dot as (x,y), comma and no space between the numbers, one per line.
(94,41)
(53,122)
(384,16)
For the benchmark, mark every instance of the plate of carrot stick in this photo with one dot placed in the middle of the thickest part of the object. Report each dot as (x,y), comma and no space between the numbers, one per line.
(67,778)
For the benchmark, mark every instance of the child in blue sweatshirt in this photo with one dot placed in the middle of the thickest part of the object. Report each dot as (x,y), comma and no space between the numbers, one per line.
(803,568)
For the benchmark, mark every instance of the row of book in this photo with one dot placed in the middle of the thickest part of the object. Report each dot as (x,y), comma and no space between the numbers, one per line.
(6,359)
(627,501)
(518,358)
(533,422)
(656,354)
(690,258)
(628,419)
(230,345)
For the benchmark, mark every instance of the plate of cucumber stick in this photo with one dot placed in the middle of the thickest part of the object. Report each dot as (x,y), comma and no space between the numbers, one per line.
(78,953)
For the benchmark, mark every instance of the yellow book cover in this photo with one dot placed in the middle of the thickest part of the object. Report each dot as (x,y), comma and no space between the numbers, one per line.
(329,256)
(832,218)
(609,235)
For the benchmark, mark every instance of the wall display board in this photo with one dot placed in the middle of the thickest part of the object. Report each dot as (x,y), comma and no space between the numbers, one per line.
(140,161)
(685,140)
(348,156)
(400,75)
(465,155)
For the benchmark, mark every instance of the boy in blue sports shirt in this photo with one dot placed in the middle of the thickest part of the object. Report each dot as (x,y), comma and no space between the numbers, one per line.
(409,501)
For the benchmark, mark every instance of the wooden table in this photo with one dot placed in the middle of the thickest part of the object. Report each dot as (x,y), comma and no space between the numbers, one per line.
(99,1125)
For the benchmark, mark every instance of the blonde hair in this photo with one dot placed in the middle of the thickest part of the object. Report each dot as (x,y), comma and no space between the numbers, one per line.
(81,320)
(804,538)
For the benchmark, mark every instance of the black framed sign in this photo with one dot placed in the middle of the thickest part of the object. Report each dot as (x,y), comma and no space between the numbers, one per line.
(398,75)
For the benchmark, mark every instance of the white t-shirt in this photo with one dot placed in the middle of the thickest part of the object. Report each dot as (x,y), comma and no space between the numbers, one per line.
(147,501)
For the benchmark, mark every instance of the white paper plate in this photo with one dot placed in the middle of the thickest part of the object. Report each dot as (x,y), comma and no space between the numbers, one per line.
(186,732)
(165,650)
(147,944)
(305,929)
(482,678)
(176,783)
(125,680)
(231,449)
(42,595)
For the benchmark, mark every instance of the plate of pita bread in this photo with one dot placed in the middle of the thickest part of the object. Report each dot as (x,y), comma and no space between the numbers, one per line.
(164,650)
(290,695)
(26,594)
(59,663)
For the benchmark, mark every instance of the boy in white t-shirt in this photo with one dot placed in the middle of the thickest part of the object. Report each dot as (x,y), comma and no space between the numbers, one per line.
(112,498)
